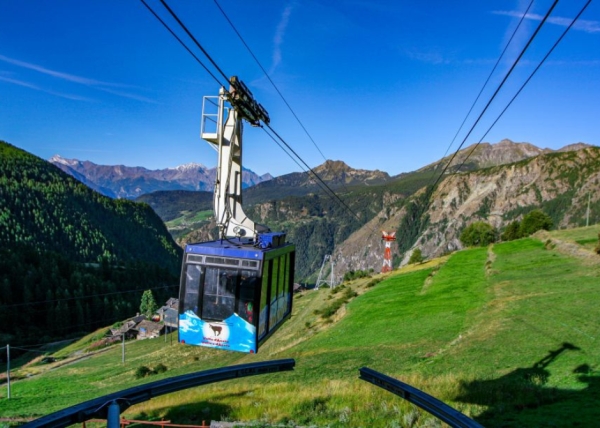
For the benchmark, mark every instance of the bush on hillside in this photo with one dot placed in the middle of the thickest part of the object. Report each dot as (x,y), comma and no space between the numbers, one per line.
(416,257)
(161,368)
(143,371)
(478,234)
(511,232)
(356,274)
(534,221)
(597,249)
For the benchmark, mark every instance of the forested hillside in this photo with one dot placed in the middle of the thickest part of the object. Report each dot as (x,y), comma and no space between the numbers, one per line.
(44,207)
(61,241)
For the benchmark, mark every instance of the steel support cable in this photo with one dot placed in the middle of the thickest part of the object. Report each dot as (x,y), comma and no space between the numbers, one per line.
(481,90)
(433,187)
(527,80)
(181,42)
(269,78)
(191,36)
(487,80)
(335,195)
(226,78)
(39,302)
(514,65)
(274,86)
(218,68)
(28,350)
(430,192)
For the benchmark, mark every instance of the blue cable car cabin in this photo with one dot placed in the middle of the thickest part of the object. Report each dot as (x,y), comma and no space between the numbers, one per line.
(233,293)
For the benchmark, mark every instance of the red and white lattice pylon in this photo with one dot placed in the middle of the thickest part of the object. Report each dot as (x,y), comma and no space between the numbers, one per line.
(388,238)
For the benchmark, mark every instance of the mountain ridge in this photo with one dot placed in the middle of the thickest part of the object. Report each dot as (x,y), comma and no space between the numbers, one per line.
(120,181)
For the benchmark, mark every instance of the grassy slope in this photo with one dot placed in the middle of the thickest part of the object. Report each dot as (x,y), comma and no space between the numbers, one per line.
(509,336)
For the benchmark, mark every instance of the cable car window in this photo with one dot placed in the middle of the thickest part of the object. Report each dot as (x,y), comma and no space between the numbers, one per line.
(193,275)
(288,279)
(218,301)
(282,288)
(264,299)
(248,284)
(273,291)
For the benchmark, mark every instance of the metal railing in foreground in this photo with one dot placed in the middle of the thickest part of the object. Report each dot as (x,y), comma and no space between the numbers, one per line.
(437,408)
(110,406)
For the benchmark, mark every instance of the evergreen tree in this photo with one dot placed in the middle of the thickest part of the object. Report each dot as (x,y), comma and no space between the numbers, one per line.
(148,305)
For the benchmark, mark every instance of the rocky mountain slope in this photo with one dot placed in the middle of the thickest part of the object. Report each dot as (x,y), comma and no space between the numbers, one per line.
(484,155)
(558,183)
(119,181)
(295,203)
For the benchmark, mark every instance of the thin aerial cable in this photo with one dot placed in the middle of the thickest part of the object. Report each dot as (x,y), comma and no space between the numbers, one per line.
(286,152)
(269,78)
(181,42)
(535,33)
(277,90)
(28,350)
(433,187)
(489,77)
(182,25)
(315,174)
(527,81)
(333,194)
(39,302)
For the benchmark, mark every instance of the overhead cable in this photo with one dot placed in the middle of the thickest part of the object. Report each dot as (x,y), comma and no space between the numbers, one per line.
(322,183)
(316,175)
(527,80)
(112,293)
(542,22)
(489,77)
(533,36)
(269,78)
(181,42)
(182,25)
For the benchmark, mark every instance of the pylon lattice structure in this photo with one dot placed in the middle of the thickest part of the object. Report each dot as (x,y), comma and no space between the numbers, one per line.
(388,238)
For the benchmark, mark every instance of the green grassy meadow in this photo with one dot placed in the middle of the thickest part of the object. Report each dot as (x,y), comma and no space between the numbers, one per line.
(509,335)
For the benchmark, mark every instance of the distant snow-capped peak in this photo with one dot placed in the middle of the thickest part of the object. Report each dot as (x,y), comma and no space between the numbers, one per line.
(61,160)
(189,166)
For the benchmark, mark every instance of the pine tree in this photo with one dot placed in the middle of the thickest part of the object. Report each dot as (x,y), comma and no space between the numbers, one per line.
(148,305)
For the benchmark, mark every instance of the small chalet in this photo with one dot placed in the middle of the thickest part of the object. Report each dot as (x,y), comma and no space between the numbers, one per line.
(148,329)
(169,313)
(128,329)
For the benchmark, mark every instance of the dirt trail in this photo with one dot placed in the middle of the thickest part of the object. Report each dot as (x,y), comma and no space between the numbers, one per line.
(567,248)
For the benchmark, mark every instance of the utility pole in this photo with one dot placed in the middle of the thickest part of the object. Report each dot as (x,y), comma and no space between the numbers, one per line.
(587,220)
(123,349)
(8,370)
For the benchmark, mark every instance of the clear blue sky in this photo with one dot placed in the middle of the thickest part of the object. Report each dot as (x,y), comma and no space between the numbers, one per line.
(378,84)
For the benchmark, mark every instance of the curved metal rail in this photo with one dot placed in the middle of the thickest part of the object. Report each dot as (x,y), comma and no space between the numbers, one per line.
(437,408)
(109,406)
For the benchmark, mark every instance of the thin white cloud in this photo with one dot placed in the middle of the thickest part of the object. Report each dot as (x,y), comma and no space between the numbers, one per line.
(431,57)
(93,83)
(37,88)
(581,24)
(279,35)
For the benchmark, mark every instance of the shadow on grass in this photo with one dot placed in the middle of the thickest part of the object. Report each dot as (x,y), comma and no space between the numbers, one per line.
(521,397)
(309,410)
(194,413)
